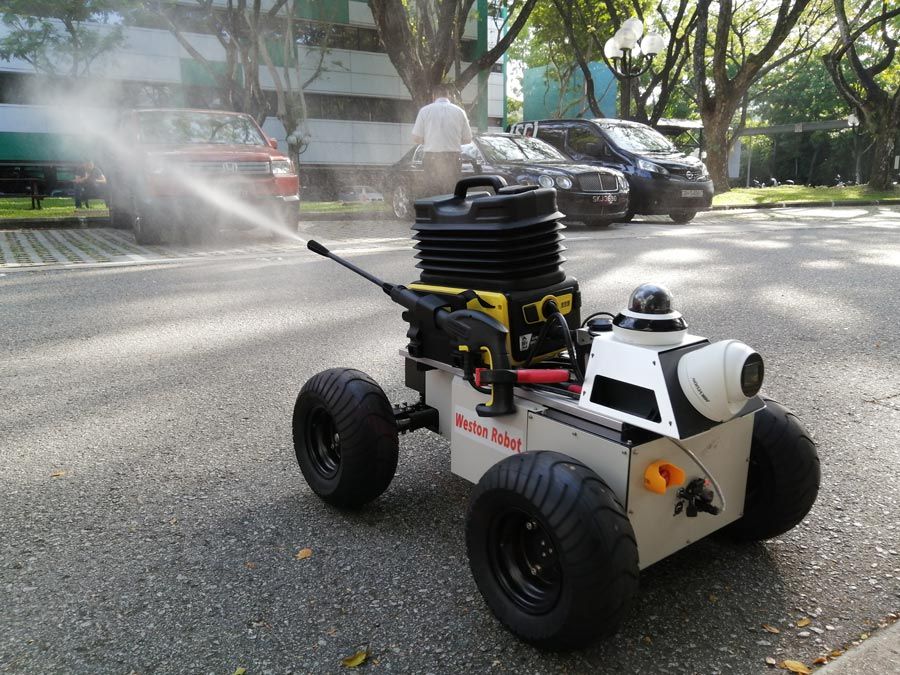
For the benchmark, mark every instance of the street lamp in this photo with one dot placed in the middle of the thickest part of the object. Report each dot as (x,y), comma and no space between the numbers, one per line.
(628,58)
(853,123)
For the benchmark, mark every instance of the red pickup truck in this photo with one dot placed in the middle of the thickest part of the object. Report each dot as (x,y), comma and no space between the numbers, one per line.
(180,175)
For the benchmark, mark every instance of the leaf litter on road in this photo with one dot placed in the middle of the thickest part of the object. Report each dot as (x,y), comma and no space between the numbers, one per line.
(356,659)
(303,554)
(794,667)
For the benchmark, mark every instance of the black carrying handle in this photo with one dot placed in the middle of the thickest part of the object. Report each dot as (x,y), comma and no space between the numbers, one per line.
(463,185)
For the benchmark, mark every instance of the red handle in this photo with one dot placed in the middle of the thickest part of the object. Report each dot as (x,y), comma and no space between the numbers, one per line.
(525,375)
(542,375)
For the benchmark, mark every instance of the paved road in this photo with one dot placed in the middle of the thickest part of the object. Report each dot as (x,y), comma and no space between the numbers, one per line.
(152,508)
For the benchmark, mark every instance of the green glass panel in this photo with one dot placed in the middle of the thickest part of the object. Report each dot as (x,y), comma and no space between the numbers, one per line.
(194,73)
(31,147)
(333,11)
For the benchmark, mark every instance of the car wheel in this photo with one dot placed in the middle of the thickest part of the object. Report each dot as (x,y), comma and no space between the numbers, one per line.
(147,228)
(403,208)
(783,478)
(345,437)
(598,222)
(682,216)
(551,550)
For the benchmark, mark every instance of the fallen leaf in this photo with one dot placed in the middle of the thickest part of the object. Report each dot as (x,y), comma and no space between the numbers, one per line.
(864,636)
(356,660)
(303,554)
(647,640)
(173,521)
(805,621)
(713,598)
(240,671)
(250,565)
(770,661)
(331,632)
(821,661)
(794,667)
(836,653)
(57,474)
(771,629)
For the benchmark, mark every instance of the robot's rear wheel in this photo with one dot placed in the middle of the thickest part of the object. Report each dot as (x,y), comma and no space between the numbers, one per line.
(345,437)
(551,550)
(783,478)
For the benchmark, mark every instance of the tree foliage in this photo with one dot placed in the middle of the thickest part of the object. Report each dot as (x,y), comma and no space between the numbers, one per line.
(423,40)
(60,37)
(737,43)
(864,67)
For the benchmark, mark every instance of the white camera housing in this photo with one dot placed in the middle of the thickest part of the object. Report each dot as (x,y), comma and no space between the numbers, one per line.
(713,378)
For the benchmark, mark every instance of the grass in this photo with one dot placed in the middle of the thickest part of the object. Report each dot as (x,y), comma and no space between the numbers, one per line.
(798,193)
(52,207)
(342,207)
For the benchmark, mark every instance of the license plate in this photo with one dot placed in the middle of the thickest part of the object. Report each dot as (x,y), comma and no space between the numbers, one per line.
(692,193)
(605,199)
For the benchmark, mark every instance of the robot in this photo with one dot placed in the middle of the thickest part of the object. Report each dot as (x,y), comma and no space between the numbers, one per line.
(597,447)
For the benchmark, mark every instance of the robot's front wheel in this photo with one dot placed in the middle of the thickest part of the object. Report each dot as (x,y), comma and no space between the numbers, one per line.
(345,437)
(551,550)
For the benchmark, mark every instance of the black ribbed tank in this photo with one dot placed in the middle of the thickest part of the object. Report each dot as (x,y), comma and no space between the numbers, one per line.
(509,241)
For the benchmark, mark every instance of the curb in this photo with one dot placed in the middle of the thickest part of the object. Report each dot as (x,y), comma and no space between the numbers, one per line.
(879,654)
(792,205)
(76,222)
(359,215)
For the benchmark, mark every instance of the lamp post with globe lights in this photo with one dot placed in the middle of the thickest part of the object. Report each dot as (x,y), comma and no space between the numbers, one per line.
(628,56)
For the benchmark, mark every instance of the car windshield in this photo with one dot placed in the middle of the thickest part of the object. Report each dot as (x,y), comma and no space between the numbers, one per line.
(638,139)
(187,127)
(517,149)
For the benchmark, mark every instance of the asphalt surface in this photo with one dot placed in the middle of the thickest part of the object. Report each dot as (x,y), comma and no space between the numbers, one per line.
(152,508)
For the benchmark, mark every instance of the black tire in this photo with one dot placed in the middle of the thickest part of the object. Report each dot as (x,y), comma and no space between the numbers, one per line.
(345,437)
(598,223)
(401,202)
(119,218)
(148,228)
(545,506)
(783,478)
(682,216)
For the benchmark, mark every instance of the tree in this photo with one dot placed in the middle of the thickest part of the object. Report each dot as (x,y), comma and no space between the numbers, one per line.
(587,26)
(239,28)
(290,84)
(863,67)
(734,48)
(423,38)
(59,37)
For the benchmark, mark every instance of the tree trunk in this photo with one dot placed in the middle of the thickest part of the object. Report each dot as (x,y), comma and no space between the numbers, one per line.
(884,129)
(715,128)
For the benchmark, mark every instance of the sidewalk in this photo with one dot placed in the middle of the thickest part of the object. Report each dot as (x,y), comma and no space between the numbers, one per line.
(879,655)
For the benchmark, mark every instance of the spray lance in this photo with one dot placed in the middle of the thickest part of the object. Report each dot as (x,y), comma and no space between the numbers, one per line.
(472,331)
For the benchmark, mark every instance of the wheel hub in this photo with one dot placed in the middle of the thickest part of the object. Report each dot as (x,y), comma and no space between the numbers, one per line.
(324,443)
(524,560)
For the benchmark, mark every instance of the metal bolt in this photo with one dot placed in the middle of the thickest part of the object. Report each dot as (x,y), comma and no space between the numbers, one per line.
(529,525)
(630,512)
(550,550)
(543,555)
(537,567)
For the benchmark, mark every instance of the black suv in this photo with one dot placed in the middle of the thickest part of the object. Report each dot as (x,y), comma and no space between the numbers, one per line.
(663,180)
(585,192)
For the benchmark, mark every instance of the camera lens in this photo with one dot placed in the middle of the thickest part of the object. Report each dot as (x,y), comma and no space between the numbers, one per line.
(752,375)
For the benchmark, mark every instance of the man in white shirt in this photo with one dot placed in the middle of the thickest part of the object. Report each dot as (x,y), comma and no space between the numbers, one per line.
(441,127)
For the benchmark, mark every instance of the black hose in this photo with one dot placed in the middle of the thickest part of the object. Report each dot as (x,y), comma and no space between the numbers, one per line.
(596,314)
(570,346)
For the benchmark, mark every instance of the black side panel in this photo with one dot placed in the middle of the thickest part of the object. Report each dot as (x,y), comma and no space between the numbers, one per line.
(626,397)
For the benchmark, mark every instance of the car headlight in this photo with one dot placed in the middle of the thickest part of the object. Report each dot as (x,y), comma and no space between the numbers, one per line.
(545,181)
(720,378)
(282,167)
(651,167)
(564,182)
(623,183)
(704,172)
